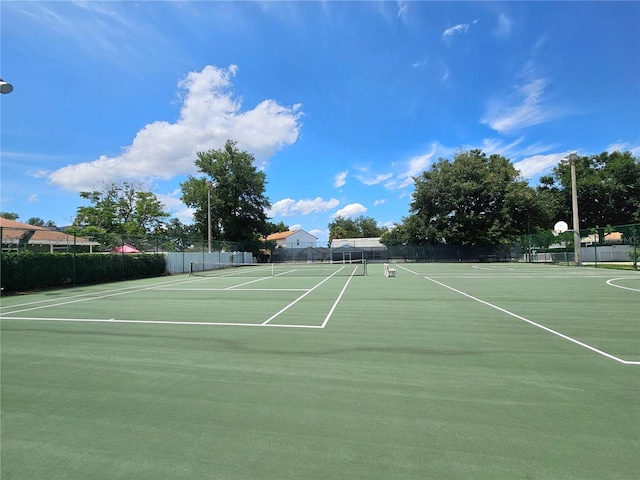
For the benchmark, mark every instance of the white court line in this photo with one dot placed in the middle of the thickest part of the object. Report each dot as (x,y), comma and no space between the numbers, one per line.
(133,289)
(155,322)
(246,283)
(561,335)
(610,283)
(326,320)
(95,296)
(233,289)
(83,297)
(299,298)
(507,275)
(115,292)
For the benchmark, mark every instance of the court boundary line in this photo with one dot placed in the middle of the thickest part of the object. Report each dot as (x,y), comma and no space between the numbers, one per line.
(281,311)
(83,297)
(531,322)
(156,322)
(611,284)
(233,289)
(122,291)
(335,304)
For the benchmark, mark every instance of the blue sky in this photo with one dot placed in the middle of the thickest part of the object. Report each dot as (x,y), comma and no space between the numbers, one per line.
(341,103)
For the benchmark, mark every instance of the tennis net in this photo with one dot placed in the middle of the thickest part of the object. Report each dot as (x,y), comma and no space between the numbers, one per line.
(356,267)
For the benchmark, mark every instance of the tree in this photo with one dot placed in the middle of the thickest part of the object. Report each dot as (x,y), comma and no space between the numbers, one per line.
(124,208)
(395,236)
(276,227)
(179,235)
(608,189)
(237,191)
(9,215)
(359,227)
(472,200)
(38,222)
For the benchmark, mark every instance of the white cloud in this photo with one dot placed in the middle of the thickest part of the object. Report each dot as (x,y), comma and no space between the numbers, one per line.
(516,148)
(32,198)
(538,164)
(351,210)
(460,28)
(503,29)
(623,147)
(318,233)
(370,179)
(379,202)
(445,73)
(388,224)
(209,115)
(340,179)
(39,173)
(295,226)
(402,8)
(528,109)
(494,145)
(421,64)
(174,206)
(288,207)
(415,166)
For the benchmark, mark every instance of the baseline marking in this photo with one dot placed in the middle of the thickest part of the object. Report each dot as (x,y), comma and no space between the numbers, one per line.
(547,329)
(154,322)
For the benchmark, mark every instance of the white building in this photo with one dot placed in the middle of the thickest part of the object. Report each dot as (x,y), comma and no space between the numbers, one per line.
(372,242)
(293,239)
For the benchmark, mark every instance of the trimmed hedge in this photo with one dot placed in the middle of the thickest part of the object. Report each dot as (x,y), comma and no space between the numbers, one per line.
(30,271)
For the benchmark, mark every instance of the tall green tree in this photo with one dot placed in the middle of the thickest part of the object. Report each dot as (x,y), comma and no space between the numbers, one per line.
(608,187)
(273,227)
(395,236)
(126,208)
(39,222)
(474,199)
(9,215)
(359,227)
(179,235)
(237,196)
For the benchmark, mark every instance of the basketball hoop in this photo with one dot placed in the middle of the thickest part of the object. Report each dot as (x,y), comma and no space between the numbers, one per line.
(560,227)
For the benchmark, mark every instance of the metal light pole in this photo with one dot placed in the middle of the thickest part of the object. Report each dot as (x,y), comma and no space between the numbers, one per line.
(574,206)
(209,215)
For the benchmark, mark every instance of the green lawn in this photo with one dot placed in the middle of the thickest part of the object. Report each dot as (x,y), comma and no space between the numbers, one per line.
(444,372)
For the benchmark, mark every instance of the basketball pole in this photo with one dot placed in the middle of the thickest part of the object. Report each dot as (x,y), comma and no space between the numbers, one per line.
(574,207)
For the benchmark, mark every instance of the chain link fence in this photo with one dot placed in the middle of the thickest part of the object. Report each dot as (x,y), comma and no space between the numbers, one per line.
(609,244)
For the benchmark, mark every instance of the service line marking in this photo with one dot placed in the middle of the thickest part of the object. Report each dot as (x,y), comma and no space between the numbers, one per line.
(277,314)
(519,317)
(233,289)
(335,304)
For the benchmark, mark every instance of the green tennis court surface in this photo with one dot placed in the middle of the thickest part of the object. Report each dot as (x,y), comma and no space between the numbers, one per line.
(511,371)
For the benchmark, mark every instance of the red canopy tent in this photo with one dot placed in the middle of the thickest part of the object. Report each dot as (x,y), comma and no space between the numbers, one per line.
(125,249)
